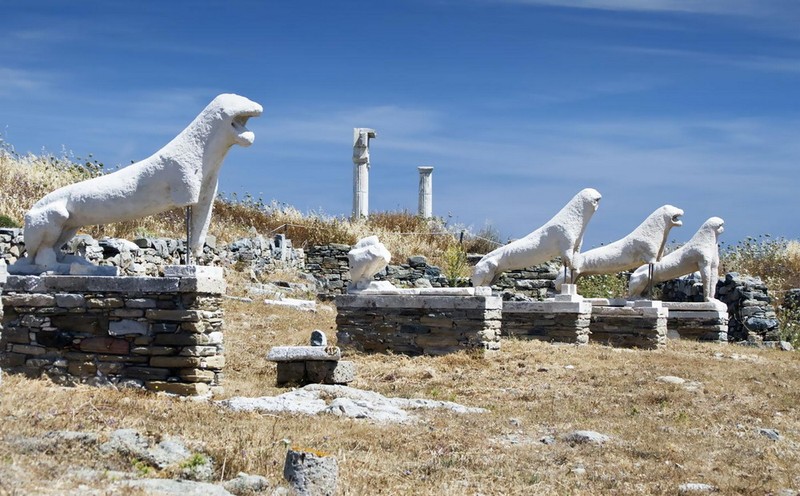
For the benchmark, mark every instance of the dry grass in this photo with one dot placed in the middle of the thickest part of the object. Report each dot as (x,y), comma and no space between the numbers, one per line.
(26,179)
(663,435)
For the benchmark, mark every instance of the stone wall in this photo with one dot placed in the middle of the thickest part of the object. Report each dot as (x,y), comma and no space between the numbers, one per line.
(148,256)
(629,327)
(162,334)
(547,321)
(750,314)
(534,282)
(419,324)
(330,267)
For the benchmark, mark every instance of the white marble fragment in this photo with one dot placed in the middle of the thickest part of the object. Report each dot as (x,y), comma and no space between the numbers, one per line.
(701,253)
(560,236)
(368,257)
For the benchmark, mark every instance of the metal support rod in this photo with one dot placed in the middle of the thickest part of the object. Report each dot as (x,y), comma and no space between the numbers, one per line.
(188,235)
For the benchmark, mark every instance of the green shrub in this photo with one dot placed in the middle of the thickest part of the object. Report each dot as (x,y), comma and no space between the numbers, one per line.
(603,286)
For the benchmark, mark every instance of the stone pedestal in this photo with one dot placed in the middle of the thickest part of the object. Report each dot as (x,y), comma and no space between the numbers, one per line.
(422,322)
(160,333)
(425,191)
(702,321)
(311,365)
(563,319)
(640,324)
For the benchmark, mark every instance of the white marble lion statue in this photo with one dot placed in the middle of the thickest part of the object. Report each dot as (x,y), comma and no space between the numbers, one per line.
(644,245)
(701,253)
(182,173)
(560,236)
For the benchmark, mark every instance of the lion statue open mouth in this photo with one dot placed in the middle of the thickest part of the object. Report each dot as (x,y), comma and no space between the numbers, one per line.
(183,173)
(645,244)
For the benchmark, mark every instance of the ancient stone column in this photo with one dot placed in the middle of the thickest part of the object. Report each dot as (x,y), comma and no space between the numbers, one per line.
(425,191)
(361,137)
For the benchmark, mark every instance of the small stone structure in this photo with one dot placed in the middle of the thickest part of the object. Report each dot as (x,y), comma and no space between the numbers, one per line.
(163,334)
(563,319)
(641,324)
(420,321)
(315,364)
(701,321)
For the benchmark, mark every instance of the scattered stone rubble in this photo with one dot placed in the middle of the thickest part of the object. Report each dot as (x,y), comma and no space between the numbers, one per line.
(191,468)
(343,401)
(148,255)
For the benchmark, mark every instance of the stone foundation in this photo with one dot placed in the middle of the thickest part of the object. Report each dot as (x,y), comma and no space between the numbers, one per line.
(629,326)
(417,324)
(160,333)
(565,319)
(706,321)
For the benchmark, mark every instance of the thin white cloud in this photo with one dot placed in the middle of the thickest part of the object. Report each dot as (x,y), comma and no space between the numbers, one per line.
(16,82)
(744,61)
(726,7)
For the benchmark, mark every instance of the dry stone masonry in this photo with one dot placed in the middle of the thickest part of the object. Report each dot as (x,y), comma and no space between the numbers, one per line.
(642,324)
(551,321)
(162,334)
(419,324)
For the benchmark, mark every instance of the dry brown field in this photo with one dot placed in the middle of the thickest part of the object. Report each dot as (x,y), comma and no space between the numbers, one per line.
(662,435)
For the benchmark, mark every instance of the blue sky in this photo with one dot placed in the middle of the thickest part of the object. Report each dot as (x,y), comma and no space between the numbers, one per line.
(517,104)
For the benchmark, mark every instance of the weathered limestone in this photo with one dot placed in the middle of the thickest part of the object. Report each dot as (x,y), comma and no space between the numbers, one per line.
(701,253)
(418,324)
(706,321)
(425,191)
(361,164)
(311,472)
(563,319)
(644,245)
(183,173)
(162,334)
(560,236)
(368,257)
(641,324)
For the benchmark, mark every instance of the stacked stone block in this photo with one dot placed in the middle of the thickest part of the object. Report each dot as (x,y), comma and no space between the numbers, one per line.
(535,282)
(419,324)
(707,321)
(629,326)
(330,266)
(549,321)
(163,334)
(311,365)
